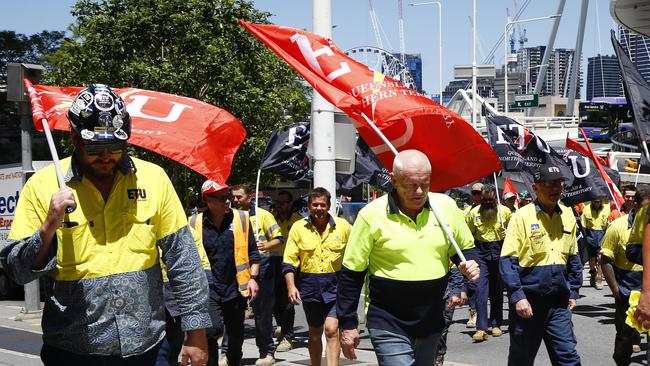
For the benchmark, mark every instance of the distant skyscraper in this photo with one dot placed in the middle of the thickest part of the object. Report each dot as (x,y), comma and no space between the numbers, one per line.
(637,48)
(414,66)
(603,77)
(556,81)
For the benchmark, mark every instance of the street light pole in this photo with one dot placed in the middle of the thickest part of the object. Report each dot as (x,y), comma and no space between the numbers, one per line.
(474,64)
(439,41)
(505,54)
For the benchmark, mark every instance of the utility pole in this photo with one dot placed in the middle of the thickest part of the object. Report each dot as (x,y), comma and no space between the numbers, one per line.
(322,114)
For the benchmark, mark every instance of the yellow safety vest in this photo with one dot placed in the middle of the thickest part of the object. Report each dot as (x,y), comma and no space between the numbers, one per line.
(240,232)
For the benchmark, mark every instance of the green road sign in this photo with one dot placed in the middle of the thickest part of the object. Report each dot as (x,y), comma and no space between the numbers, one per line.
(526,101)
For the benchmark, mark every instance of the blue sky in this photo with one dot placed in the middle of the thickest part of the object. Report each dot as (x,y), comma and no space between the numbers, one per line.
(353,26)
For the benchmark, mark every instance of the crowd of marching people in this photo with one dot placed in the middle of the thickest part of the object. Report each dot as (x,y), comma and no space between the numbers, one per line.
(131,280)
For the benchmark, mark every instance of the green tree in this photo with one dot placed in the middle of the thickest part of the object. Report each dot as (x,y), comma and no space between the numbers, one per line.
(194,48)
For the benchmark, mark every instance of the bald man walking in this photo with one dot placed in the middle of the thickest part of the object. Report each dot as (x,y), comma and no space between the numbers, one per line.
(397,241)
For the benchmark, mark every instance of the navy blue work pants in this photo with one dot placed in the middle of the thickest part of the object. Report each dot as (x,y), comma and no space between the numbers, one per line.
(489,286)
(551,322)
(283,310)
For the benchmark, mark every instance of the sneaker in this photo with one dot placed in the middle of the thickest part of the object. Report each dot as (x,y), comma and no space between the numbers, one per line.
(636,348)
(480,336)
(284,345)
(267,360)
(471,323)
(496,332)
(440,360)
(223,361)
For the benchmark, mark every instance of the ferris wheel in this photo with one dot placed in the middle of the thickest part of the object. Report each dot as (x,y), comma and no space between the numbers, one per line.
(383,61)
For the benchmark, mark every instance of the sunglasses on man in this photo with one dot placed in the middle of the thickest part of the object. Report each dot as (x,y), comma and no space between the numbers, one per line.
(99,148)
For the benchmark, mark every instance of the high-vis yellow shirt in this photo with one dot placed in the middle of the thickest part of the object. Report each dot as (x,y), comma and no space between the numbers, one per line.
(595,220)
(104,278)
(310,252)
(285,226)
(488,230)
(540,253)
(615,242)
(404,259)
(318,257)
(634,251)
(267,229)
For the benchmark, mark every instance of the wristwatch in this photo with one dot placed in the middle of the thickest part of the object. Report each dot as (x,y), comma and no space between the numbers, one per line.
(254,277)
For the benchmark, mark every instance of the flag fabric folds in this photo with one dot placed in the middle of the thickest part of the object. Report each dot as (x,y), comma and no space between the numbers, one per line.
(367,169)
(409,120)
(615,193)
(522,151)
(286,155)
(637,91)
(196,134)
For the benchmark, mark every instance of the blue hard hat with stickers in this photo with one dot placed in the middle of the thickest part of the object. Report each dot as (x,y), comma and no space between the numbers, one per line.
(98,114)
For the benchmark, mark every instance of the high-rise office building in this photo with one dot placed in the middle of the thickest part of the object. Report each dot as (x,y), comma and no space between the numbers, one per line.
(414,66)
(603,77)
(637,48)
(558,72)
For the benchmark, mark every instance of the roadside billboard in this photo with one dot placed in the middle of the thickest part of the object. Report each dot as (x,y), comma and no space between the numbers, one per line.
(11,183)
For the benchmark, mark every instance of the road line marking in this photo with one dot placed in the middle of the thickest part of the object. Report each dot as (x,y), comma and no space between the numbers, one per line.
(2,350)
(21,329)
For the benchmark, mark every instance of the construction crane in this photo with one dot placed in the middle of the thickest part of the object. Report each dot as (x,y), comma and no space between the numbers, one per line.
(521,31)
(402,46)
(375,24)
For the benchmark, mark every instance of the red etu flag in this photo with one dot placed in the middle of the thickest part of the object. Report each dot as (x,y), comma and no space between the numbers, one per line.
(509,187)
(196,134)
(575,146)
(410,120)
(589,152)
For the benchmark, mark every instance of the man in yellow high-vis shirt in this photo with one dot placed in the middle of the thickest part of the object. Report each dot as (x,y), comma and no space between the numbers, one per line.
(283,310)
(542,271)
(487,222)
(315,247)
(101,262)
(397,241)
(623,276)
(594,219)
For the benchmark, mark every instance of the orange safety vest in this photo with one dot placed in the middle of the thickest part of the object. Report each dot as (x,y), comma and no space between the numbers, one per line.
(240,232)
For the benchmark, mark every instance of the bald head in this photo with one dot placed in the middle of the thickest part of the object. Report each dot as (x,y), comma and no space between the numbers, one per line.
(411,177)
(411,160)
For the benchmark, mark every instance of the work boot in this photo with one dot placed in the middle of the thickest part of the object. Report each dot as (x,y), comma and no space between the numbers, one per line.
(480,336)
(471,323)
(284,345)
(440,360)
(496,332)
(265,360)
(223,361)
